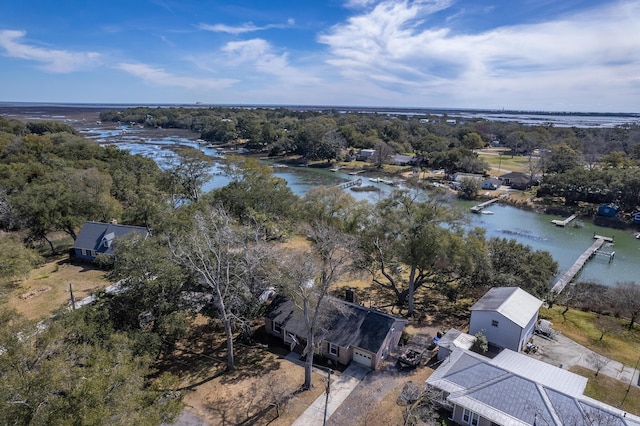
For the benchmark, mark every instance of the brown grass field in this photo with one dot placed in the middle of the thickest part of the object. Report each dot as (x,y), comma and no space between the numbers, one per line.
(47,287)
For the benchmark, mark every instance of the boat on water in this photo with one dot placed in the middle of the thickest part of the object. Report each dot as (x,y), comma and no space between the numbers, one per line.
(486,212)
(375,179)
(638,236)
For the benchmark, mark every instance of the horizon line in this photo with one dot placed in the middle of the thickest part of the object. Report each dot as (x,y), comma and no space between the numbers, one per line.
(349,108)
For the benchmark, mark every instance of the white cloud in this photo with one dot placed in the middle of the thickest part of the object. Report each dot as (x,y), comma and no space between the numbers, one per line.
(258,55)
(248,27)
(589,52)
(55,61)
(359,3)
(160,77)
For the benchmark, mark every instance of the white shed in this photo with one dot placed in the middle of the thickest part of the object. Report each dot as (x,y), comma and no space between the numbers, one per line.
(453,339)
(507,315)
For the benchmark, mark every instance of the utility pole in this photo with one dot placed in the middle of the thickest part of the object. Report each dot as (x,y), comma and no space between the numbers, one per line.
(73,299)
(327,391)
(630,382)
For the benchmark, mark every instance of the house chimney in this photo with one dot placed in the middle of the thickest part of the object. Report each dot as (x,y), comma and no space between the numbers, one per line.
(350,295)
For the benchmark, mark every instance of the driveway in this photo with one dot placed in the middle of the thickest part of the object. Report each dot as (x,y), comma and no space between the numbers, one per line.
(340,390)
(565,353)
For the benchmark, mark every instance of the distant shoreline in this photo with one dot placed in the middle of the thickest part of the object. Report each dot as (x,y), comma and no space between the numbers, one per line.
(595,120)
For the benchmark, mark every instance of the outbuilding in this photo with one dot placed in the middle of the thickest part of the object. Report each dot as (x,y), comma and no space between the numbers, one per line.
(507,315)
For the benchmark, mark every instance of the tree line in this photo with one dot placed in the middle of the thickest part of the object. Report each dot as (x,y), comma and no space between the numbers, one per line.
(574,163)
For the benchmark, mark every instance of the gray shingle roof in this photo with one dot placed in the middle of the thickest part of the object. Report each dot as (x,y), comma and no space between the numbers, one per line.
(94,235)
(352,325)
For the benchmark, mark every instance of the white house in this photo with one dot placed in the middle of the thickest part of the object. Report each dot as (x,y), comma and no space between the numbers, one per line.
(508,316)
(516,390)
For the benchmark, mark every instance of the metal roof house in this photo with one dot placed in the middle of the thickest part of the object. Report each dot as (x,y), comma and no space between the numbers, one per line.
(97,238)
(351,333)
(507,315)
(513,389)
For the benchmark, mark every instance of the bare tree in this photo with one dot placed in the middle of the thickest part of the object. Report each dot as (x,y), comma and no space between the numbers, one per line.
(308,275)
(225,258)
(626,299)
(422,404)
(605,324)
(382,155)
(597,361)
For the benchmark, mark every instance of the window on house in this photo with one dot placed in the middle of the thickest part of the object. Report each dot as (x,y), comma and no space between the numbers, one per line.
(277,327)
(494,323)
(470,418)
(475,418)
(334,349)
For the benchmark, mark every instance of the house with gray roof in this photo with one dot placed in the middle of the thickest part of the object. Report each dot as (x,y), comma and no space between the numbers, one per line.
(97,238)
(507,315)
(515,390)
(350,332)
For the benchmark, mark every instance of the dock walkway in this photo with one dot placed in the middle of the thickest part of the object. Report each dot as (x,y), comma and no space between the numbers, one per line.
(349,184)
(479,207)
(579,264)
(564,222)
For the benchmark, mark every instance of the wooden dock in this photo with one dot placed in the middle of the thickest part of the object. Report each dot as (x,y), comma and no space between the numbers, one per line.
(564,222)
(479,207)
(345,185)
(579,264)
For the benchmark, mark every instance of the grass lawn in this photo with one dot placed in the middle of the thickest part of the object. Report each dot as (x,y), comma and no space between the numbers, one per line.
(610,391)
(505,162)
(47,287)
(621,344)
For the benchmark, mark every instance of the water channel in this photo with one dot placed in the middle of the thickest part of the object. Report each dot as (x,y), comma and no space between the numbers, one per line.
(534,229)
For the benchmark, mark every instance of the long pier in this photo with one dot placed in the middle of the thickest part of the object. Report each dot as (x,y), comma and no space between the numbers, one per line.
(564,222)
(579,264)
(479,207)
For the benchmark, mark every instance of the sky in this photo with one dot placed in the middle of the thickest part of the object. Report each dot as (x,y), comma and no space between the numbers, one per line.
(533,55)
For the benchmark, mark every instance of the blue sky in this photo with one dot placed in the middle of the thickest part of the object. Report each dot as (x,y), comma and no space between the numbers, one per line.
(552,55)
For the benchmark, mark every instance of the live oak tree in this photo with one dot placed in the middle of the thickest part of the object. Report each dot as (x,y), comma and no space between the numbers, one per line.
(16,260)
(514,264)
(335,207)
(77,370)
(407,244)
(152,291)
(255,195)
(185,179)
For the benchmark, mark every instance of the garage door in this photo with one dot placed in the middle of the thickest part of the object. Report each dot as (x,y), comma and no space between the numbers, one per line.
(363,358)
